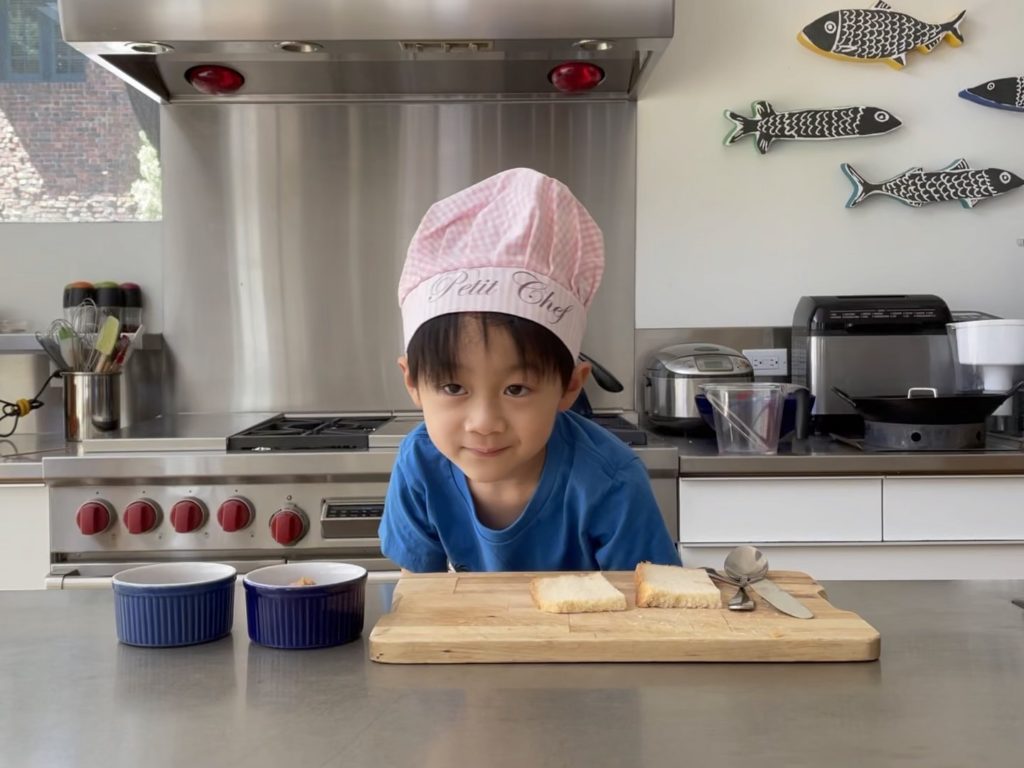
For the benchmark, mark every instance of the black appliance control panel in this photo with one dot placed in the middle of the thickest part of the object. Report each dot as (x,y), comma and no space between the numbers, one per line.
(863,315)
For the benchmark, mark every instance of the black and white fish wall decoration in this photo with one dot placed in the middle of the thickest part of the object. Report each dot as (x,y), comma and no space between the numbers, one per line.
(915,186)
(767,125)
(1005,93)
(877,34)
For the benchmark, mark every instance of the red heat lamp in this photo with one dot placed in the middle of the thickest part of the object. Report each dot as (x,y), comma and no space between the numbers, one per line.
(214,80)
(576,76)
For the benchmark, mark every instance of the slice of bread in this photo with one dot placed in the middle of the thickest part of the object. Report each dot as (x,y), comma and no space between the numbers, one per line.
(576,593)
(670,586)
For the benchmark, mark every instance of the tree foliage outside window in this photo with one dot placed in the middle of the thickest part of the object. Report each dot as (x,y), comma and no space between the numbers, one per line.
(147,190)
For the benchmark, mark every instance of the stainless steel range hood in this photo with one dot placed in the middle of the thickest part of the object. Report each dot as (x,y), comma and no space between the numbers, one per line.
(367,50)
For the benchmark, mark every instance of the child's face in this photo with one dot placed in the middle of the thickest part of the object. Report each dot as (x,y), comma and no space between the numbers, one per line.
(493,420)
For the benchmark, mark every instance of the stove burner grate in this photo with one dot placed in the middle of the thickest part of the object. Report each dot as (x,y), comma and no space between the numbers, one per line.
(307,433)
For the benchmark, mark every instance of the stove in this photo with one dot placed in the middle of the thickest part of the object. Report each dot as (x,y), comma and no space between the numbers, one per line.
(249,491)
(931,438)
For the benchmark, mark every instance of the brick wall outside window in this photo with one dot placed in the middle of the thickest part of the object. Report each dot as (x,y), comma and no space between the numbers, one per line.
(70,151)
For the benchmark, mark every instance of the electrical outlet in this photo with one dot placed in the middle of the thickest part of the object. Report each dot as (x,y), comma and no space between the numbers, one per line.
(768,362)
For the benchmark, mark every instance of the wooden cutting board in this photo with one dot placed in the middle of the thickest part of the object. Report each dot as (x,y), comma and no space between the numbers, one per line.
(490,617)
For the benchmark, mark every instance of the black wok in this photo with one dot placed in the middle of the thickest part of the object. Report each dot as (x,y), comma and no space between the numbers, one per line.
(924,405)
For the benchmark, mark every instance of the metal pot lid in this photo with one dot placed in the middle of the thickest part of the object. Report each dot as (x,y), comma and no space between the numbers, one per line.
(699,359)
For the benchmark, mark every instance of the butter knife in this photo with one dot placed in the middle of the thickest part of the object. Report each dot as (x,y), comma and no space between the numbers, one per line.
(779,598)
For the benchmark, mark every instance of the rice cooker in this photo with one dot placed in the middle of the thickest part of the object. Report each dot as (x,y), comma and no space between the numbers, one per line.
(674,375)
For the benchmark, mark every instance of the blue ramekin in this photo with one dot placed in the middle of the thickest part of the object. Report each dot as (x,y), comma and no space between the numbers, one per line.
(171,604)
(281,615)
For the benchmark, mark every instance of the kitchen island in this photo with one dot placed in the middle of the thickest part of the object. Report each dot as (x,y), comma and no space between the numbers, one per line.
(946,692)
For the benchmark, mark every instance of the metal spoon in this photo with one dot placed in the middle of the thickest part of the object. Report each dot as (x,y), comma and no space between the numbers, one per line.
(744,565)
(741,601)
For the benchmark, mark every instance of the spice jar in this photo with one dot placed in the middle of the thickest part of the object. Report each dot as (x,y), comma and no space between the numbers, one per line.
(131,312)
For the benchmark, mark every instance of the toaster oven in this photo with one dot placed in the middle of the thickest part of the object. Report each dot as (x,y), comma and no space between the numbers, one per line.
(868,345)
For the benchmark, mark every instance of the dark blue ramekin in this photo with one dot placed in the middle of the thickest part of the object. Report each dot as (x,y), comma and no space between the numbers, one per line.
(172,604)
(283,614)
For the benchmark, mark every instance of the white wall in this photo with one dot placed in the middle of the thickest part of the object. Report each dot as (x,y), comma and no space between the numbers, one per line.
(728,237)
(38,260)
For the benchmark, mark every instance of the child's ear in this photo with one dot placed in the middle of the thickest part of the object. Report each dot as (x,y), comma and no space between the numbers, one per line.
(410,385)
(576,382)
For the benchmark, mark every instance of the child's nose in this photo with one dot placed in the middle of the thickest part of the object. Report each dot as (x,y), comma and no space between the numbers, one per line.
(485,417)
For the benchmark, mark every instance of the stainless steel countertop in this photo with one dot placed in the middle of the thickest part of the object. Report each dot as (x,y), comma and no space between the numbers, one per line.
(210,431)
(193,445)
(946,692)
(21,456)
(822,456)
(181,432)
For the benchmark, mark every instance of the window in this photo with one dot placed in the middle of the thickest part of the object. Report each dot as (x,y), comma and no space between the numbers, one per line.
(76,143)
(30,44)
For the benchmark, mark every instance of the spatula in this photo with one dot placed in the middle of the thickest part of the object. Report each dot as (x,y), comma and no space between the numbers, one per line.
(105,343)
(126,347)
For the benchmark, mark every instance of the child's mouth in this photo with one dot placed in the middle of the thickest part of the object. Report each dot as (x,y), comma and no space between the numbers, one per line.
(486,453)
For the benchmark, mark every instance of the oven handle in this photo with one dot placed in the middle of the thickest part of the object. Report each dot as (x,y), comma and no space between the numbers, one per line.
(78,582)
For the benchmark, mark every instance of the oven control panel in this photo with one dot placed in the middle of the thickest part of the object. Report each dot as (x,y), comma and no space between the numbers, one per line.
(341,519)
(264,517)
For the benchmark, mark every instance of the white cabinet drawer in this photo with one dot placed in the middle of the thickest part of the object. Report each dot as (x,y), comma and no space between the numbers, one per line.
(780,509)
(25,545)
(953,509)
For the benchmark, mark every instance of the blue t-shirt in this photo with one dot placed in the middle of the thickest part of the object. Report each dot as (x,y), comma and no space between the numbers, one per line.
(593,509)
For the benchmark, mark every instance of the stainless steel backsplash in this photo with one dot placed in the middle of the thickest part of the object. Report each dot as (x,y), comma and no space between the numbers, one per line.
(286,228)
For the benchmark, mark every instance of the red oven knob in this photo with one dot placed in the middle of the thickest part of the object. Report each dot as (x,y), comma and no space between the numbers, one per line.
(235,514)
(94,517)
(141,516)
(288,525)
(188,515)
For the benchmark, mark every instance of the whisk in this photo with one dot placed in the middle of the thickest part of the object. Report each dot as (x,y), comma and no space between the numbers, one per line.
(82,352)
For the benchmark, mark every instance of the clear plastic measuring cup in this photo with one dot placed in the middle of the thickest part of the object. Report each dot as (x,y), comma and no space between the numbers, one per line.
(747,416)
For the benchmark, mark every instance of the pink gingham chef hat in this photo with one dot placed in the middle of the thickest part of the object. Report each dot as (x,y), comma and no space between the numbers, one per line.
(518,243)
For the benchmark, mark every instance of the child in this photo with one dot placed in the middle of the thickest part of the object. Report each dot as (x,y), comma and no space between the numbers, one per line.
(502,476)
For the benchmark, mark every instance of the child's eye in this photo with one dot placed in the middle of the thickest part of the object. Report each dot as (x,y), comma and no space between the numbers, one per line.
(517,390)
(452,389)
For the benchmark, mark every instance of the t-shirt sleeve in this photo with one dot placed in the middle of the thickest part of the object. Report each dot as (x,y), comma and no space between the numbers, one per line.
(632,529)
(407,535)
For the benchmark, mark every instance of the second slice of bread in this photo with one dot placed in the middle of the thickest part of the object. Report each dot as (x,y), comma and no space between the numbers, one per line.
(670,586)
(576,593)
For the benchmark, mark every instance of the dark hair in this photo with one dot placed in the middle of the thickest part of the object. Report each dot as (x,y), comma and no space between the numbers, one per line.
(433,352)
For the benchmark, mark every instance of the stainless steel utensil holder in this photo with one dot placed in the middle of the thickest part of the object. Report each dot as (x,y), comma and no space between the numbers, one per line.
(92,404)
